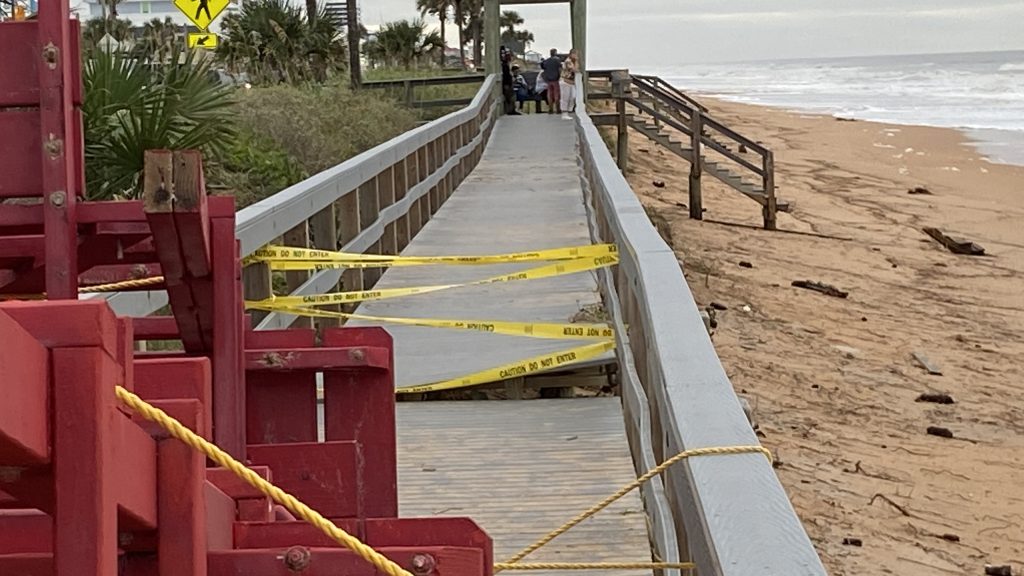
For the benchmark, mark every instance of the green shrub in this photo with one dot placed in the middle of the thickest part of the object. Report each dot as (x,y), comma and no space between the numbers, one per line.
(321,126)
(255,167)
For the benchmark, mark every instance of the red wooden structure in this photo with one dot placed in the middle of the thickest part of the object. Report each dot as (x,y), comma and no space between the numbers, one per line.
(88,488)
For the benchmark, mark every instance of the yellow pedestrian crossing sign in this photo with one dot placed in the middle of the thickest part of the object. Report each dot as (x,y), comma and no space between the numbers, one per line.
(201,12)
(206,40)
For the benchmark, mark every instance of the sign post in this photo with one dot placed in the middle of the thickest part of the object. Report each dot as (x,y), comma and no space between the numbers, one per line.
(201,13)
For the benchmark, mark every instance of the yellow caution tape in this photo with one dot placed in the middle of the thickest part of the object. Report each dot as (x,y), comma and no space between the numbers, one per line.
(546,271)
(288,258)
(517,369)
(545,330)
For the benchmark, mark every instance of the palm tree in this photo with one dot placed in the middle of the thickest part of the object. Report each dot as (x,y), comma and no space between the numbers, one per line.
(473,15)
(462,34)
(159,37)
(517,41)
(272,41)
(404,43)
(131,106)
(311,11)
(440,9)
(509,19)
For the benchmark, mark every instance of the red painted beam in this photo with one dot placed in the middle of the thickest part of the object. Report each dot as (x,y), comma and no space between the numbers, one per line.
(181,539)
(449,561)
(109,273)
(180,378)
(254,535)
(19,84)
(436,531)
(25,532)
(67,323)
(59,149)
(23,246)
(221,514)
(324,476)
(229,391)
(357,357)
(24,410)
(85,515)
(155,328)
(280,407)
(28,215)
(134,473)
(360,406)
(227,482)
(27,564)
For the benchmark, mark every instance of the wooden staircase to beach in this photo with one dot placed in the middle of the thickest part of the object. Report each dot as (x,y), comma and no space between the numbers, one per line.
(681,125)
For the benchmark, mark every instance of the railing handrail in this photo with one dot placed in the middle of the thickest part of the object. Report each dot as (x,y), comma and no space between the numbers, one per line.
(268,219)
(426,81)
(737,517)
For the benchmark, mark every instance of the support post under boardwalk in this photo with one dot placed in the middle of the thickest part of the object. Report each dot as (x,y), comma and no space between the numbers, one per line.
(696,204)
(620,91)
(771,205)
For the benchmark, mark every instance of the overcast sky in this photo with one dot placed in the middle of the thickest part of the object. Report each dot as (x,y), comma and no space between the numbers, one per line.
(659,33)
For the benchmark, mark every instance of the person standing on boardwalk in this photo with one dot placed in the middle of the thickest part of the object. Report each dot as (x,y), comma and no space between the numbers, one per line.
(551,70)
(568,84)
(507,90)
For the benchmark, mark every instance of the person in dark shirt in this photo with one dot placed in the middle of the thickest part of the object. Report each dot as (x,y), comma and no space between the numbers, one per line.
(551,71)
(506,83)
(520,87)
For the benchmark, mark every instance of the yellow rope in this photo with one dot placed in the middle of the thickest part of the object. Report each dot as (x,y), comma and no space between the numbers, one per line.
(222,458)
(115,286)
(626,490)
(597,566)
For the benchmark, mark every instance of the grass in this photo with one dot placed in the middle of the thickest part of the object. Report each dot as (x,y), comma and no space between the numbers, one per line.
(322,126)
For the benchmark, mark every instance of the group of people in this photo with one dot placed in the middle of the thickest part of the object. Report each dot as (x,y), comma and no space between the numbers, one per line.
(556,83)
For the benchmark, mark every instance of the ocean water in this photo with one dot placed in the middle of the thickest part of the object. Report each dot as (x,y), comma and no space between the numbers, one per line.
(979,93)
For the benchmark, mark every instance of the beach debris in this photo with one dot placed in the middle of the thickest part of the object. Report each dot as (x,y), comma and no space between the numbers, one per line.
(920,190)
(948,537)
(746,308)
(681,205)
(719,306)
(841,119)
(745,264)
(940,432)
(850,541)
(826,289)
(848,351)
(935,398)
(710,322)
(748,411)
(927,364)
(743,148)
(953,244)
(658,184)
(998,570)
(889,501)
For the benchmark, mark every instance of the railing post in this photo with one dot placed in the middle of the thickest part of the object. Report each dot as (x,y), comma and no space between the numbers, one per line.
(407,85)
(696,165)
(620,90)
(256,285)
(348,220)
(771,206)
(324,226)
(299,237)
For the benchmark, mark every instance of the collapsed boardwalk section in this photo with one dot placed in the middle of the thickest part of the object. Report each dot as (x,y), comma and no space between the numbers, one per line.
(525,195)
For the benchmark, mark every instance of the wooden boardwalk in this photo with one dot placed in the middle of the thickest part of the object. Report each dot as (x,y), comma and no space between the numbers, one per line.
(519,468)
(524,195)
(523,468)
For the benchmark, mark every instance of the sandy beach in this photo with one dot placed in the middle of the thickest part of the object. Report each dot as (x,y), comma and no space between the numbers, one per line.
(832,381)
